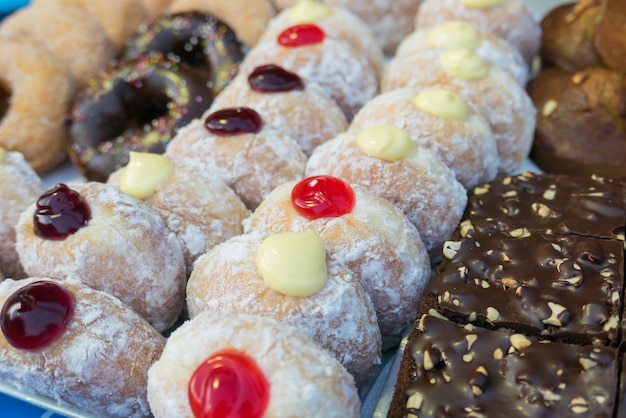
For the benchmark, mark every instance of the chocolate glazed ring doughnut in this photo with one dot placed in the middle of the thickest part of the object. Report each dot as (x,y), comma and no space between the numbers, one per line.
(135,106)
(200,40)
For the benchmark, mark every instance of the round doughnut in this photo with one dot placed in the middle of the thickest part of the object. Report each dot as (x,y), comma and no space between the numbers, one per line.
(508,19)
(136,105)
(416,181)
(248,18)
(99,362)
(373,239)
(338,316)
(85,48)
(459,34)
(193,200)
(499,98)
(301,375)
(111,242)
(252,156)
(118,22)
(155,7)
(301,110)
(200,40)
(20,186)
(35,91)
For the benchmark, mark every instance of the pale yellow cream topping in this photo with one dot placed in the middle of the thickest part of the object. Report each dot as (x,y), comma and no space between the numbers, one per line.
(441,103)
(293,263)
(144,173)
(463,63)
(3,154)
(386,142)
(454,34)
(308,11)
(482,4)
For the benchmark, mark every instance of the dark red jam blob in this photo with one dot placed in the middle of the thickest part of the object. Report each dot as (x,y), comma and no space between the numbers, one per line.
(272,78)
(60,212)
(233,121)
(322,197)
(36,315)
(301,35)
(229,384)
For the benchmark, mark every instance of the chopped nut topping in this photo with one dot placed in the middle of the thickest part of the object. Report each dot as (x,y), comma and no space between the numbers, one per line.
(451,248)
(481,190)
(587,363)
(541,210)
(471,339)
(428,362)
(492,314)
(520,233)
(549,107)
(468,357)
(509,282)
(415,401)
(579,405)
(519,341)
(550,192)
(555,311)
(498,354)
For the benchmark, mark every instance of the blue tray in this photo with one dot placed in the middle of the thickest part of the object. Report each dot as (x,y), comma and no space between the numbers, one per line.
(7,6)
(14,408)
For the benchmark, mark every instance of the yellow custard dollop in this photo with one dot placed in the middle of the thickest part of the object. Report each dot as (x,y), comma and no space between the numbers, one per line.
(293,263)
(308,11)
(386,142)
(144,173)
(441,103)
(463,63)
(482,4)
(454,34)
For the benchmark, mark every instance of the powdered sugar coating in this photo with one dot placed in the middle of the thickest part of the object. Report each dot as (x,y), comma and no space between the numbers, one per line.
(422,186)
(511,20)
(499,98)
(125,250)
(100,364)
(340,317)
(308,116)
(251,164)
(342,72)
(467,147)
(375,241)
(305,381)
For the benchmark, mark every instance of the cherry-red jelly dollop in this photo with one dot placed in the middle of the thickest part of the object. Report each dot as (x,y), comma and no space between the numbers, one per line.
(229,384)
(60,212)
(36,315)
(322,197)
(233,121)
(301,35)
(272,78)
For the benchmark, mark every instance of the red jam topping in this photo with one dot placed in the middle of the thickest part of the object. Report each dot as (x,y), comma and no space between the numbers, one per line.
(301,35)
(272,78)
(322,197)
(60,212)
(36,315)
(229,384)
(233,121)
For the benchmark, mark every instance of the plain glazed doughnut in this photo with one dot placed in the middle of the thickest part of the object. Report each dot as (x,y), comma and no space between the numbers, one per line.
(248,18)
(71,33)
(100,358)
(111,242)
(35,92)
(303,379)
(339,316)
(136,105)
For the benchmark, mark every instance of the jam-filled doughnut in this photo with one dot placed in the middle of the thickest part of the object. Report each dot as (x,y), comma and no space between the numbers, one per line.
(279,372)
(284,100)
(111,242)
(94,352)
(291,278)
(200,40)
(136,105)
(35,93)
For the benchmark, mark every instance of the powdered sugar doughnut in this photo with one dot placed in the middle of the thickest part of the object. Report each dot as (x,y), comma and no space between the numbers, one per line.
(98,362)
(251,156)
(508,19)
(111,242)
(302,378)
(464,142)
(372,238)
(459,34)
(248,18)
(338,315)
(85,49)
(300,110)
(417,182)
(499,98)
(20,186)
(343,72)
(193,200)
(37,89)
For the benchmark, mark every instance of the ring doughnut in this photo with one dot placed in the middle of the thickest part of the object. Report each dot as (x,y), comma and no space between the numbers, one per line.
(136,105)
